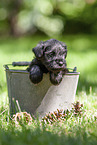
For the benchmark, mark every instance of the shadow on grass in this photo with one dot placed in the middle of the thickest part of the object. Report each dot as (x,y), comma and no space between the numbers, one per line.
(85,85)
(80,42)
(38,137)
(88,79)
(74,42)
(22,44)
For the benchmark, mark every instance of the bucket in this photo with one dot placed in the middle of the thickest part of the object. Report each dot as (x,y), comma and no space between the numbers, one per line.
(43,97)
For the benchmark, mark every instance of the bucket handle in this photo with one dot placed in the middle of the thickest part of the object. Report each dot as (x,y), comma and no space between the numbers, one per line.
(21,63)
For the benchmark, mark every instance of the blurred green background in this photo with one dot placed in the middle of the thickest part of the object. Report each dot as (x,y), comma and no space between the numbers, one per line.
(23,23)
(52,17)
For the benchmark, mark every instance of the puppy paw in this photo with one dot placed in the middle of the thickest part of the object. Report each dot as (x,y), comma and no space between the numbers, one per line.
(35,74)
(55,78)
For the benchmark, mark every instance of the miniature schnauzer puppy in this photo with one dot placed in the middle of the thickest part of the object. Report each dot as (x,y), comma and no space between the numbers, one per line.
(50,58)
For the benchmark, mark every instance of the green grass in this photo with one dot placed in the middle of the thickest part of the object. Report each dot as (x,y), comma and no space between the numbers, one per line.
(82,52)
(74,131)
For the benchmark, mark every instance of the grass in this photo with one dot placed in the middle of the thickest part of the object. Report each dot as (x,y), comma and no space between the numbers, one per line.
(73,131)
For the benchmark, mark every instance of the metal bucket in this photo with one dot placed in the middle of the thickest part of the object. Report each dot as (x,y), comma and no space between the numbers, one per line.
(43,97)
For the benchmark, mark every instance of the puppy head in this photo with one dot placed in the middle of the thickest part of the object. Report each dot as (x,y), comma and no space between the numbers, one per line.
(52,54)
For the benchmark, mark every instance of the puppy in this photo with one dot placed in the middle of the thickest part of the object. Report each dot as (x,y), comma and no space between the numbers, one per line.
(52,54)
(50,58)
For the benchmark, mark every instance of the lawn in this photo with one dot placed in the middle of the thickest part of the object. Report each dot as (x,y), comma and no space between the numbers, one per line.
(75,129)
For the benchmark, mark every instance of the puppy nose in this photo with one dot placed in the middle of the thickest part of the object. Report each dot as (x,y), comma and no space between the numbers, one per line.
(60,63)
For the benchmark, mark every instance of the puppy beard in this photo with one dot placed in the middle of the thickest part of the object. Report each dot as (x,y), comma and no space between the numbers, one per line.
(55,78)
(54,63)
(55,67)
(35,74)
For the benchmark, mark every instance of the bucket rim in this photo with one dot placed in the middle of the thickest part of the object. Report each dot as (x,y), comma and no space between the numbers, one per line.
(26,72)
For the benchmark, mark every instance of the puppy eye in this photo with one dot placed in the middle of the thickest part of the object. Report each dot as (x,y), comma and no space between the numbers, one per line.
(48,48)
(48,56)
(61,53)
(51,54)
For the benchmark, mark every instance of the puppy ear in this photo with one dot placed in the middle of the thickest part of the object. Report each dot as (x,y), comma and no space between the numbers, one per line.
(65,51)
(65,47)
(38,50)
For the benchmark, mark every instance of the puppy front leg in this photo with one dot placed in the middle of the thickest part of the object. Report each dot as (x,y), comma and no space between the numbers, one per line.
(33,62)
(35,74)
(56,78)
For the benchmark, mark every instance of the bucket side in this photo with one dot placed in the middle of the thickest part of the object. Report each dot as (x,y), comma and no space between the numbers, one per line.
(9,90)
(59,97)
(43,97)
(28,94)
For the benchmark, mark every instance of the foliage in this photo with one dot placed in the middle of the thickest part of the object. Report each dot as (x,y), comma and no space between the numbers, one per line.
(52,17)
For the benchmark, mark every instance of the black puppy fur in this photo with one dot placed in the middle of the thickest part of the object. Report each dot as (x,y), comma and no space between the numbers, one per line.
(36,70)
(50,57)
(56,78)
(36,74)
